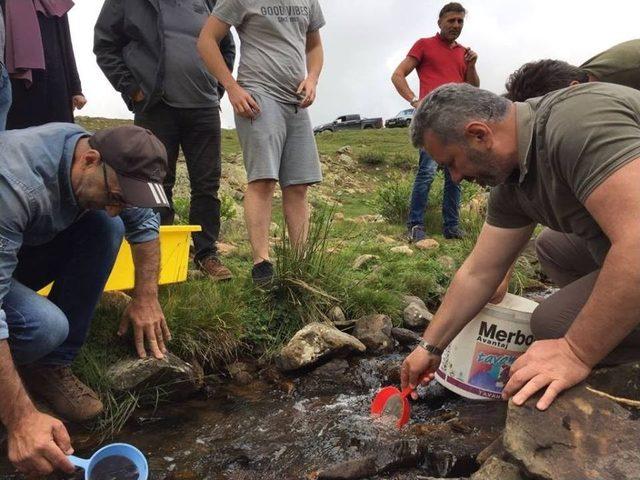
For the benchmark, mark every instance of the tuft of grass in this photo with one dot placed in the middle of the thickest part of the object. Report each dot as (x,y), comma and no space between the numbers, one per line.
(228,210)
(393,198)
(372,158)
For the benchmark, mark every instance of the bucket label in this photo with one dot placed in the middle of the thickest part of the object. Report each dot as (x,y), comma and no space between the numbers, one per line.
(490,368)
(490,334)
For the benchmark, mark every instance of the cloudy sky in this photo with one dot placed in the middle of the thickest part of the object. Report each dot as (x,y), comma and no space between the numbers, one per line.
(364,40)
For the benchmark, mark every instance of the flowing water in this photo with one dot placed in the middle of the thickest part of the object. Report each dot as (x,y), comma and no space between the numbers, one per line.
(292,428)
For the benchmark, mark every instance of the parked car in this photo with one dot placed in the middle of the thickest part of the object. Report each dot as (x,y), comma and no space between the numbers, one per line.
(349,122)
(402,119)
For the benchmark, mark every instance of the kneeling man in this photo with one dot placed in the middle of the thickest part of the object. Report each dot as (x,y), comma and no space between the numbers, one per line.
(67,200)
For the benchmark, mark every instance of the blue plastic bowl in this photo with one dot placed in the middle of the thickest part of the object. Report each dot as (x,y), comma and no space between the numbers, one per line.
(115,449)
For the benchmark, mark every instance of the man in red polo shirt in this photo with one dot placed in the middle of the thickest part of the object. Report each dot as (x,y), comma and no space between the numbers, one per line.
(438,60)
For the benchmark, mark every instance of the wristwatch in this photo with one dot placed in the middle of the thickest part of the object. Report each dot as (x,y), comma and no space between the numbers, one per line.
(430,348)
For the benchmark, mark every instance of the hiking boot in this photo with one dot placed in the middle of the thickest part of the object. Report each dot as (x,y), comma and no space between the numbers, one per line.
(262,273)
(416,233)
(454,233)
(214,269)
(63,391)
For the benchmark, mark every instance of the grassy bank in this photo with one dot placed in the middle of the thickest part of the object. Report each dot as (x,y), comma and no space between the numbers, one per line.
(360,208)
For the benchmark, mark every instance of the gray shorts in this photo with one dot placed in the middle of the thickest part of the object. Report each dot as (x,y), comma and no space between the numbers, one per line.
(279,144)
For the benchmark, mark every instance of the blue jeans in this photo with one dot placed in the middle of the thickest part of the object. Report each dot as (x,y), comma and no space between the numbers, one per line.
(79,260)
(427,169)
(5,97)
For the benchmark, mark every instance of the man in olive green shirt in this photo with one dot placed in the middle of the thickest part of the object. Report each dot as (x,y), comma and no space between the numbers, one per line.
(619,64)
(569,160)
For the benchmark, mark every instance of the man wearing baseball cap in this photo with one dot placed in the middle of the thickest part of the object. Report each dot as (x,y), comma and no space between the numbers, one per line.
(67,199)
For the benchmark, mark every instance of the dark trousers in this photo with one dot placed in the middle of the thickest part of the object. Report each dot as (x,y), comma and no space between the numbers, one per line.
(566,260)
(197,131)
(78,260)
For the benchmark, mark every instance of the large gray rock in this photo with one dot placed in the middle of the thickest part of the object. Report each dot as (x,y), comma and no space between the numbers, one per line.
(375,332)
(497,469)
(177,378)
(416,316)
(581,436)
(316,342)
(405,337)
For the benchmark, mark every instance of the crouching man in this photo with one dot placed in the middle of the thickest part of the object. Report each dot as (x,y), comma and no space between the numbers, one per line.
(570,161)
(67,200)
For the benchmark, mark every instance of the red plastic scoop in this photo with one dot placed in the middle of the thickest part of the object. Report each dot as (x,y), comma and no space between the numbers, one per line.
(393,403)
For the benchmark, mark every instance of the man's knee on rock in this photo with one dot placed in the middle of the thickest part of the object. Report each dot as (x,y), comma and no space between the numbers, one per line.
(545,323)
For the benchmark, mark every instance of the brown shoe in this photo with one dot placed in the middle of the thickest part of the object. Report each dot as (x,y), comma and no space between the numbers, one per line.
(214,268)
(66,394)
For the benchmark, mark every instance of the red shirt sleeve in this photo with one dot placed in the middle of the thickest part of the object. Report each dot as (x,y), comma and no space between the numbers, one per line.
(417,51)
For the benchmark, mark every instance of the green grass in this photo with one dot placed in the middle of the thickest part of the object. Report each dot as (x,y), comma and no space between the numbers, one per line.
(213,323)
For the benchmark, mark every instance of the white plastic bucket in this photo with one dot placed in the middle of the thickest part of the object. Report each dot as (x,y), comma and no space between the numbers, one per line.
(476,363)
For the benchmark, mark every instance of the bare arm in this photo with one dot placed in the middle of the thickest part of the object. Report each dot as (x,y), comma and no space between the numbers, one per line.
(213,31)
(471,76)
(471,289)
(315,60)
(144,312)
(611,311)
(399,79)
(38,443)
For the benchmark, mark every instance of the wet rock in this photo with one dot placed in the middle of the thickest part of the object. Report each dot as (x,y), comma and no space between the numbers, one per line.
(177,378)
(405,337)
(497,469)
(242,373)
(116,300)
(416,317)
(346,149)
(495,449)
(409,299)
(582,435)
(375,332)
(427,244)
(403,249)
(620,381)
(364,261)
(316,342)
(336,315)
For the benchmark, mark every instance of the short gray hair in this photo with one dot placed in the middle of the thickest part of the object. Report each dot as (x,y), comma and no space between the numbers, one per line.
(448,108)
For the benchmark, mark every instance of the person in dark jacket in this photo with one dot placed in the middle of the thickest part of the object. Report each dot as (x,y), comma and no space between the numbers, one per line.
(147,50)
(40,61)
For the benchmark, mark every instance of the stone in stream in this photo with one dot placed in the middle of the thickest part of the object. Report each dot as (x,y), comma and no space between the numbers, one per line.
(416,317)
(316,342)
(375,332)
(581,436)
(177,378)
(497,469)
(405,337)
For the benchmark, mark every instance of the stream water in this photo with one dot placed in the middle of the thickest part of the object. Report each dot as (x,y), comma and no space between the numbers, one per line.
(292,428)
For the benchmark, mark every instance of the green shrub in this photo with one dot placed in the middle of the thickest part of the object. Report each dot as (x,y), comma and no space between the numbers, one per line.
(392,200)
(228,209)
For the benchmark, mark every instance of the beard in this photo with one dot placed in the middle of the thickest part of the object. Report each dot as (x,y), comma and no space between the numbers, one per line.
(489,171)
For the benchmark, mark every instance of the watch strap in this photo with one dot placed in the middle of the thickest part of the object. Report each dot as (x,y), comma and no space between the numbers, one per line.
(430,348)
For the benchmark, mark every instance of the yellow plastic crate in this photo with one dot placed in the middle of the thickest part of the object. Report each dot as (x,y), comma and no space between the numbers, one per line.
(174,259)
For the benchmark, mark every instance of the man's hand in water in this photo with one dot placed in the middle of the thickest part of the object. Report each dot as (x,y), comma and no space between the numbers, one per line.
(38,445)
(547,363)
(418,368)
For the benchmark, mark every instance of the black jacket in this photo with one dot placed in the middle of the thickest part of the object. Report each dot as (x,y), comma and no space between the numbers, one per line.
(129,48)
